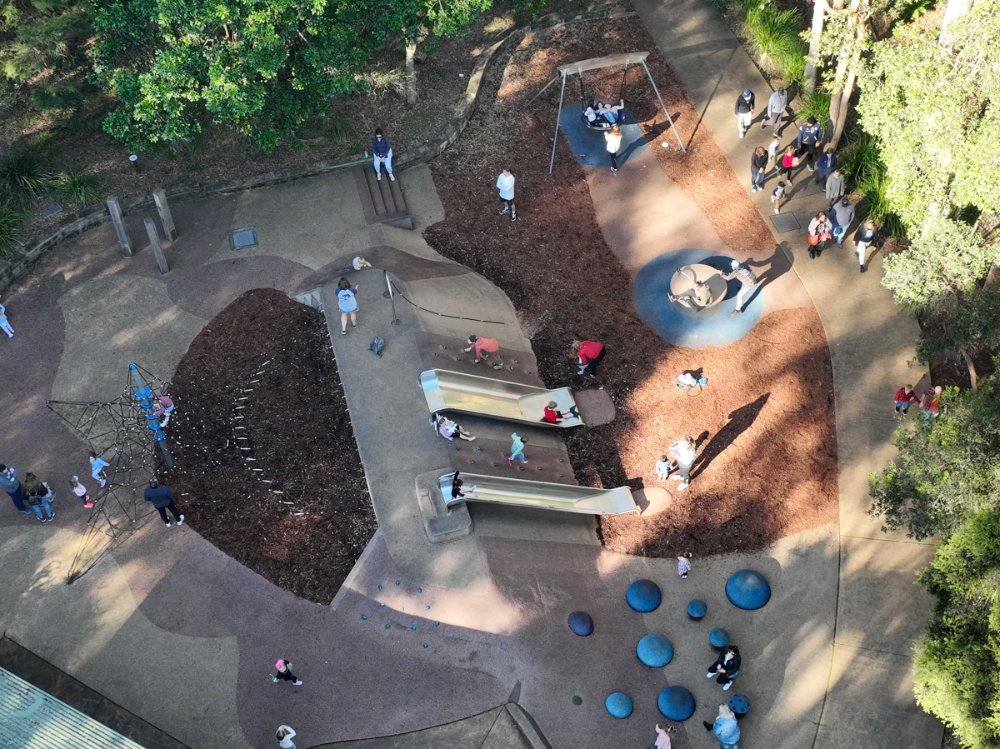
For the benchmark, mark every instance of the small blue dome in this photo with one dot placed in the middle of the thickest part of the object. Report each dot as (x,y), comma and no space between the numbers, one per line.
(654,651)
(618,704)
(718,638)
(747,589)
(581,623)
(676,703)
(739,704)
(697,609)
(643,596)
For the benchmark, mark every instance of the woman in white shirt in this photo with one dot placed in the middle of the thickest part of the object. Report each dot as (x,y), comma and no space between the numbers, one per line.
(613,141)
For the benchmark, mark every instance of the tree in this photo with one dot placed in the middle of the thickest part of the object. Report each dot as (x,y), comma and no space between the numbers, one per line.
(815,40)
(946,468)
(963,325)
(261,67)
(957,661)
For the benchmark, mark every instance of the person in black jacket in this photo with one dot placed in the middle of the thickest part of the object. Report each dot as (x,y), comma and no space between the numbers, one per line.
(758,168)
(864,237)
(725,667)
(162,498)
(744,111)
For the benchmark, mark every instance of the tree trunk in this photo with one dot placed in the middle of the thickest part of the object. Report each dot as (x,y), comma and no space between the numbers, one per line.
(955,10)
(410,72)
(812,59)
(971,367)
(844,96)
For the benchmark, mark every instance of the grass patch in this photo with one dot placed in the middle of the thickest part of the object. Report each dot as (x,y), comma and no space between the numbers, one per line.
(11,223)
(339,131)
(23,177)
(77,189)
(773,36)
(817,105)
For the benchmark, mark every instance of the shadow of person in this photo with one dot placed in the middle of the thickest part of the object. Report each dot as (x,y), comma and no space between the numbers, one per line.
(775,266)
(739,421)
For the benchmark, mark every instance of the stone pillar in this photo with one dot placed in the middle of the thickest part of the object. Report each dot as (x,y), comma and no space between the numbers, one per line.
(169,230)
(115,209)
(154,240)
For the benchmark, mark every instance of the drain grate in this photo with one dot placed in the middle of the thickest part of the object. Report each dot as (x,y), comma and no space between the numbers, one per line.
(785,222)
(240,239)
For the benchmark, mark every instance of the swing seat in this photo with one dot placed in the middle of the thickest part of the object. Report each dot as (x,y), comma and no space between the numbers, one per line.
(599,124)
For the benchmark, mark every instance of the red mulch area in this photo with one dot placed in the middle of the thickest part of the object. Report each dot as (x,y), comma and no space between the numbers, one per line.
(766,419)
(304,530)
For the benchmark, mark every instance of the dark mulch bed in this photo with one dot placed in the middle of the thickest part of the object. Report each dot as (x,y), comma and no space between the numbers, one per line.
(770,451)
(305,530)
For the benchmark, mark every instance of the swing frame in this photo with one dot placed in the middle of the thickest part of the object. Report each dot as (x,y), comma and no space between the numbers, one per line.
(597,63)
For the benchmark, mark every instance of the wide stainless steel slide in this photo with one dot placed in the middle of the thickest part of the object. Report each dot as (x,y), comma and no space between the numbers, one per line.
(497,399)
(541,495)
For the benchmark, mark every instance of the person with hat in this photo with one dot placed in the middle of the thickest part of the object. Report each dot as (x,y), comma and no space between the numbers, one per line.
(482,346)
(744,110)
(747,279)
(552,415)
(162,498)
(284,669)
(808,140)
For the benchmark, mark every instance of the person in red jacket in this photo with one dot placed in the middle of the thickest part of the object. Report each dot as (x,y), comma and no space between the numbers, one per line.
(903,398)
(552,415)
(589,354)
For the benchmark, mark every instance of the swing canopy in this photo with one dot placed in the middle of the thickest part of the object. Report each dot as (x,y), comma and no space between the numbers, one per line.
(596,63)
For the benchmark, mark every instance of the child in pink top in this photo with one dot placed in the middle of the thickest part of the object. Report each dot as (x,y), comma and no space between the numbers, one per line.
(80,491)
(482,346)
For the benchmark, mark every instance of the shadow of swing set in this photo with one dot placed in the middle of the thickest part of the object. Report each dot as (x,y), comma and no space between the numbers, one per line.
(599,63)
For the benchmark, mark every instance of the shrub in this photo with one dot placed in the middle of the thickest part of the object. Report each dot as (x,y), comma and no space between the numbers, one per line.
(77,188)
(874,203)
(773,35)
(11,220)
(339,131)
(860,157)
(817,105)
(23,178)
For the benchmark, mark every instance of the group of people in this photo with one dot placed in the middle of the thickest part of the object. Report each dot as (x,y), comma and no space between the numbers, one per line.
(929,402)
(35,496)
(678,462)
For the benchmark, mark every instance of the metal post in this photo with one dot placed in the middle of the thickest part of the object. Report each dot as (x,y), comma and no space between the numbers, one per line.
(154,239)
(392,298)
(663,106)
(169,230)
(555,139)
(115,209)
(544,88)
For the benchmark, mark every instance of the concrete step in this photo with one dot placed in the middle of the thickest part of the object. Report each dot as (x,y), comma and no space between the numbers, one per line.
(489,457)
(382,200)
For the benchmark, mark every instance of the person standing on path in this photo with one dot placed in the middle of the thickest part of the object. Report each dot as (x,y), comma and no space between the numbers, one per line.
(162,498)
(347,303)
(589,355)
(773,150)
(825,165)
(818,234)
(834,186)
(864,237)
(748,281)
(517,443)
(777,103)
(758,168)
(903,398)
(684,452)
(505,185)
(662,739)
(613,142)
(97,466)
(744,110)
(382,155)
(808,140)
(725,668)
(80,491)
(13,487)
(284,669)
(5,323)
(843,217)
(726,728)
(789,162)
(778,196)
(930,402)
(284,735)
(39,496)
(482,346)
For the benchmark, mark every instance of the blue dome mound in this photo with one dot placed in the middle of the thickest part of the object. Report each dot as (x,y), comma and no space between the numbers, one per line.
(581,623)
(696,610)
(739,704)
(747,589)
(676,703)
(618,704)
(643,596)
(654,651)
(718,638)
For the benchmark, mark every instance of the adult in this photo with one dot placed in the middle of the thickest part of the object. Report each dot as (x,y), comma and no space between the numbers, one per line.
(39,495)
(864,238)
(698,297)
(347,303)
(589,355)
(382,155)
(505,186)
(684,452)
(930,402)
(162,498)
(843,217)
(284,735)
(482,346)
(97,466)
(450,429)
(818,234)
(758,168)
(517,443)
(5,323)
(284,673)
(835,185)
(613,142)
(748,281)
(725,728)
(903,398)
(744,110)
(611,113)
(789,162)
(777,103)
(825,165)
(725,668)
(808,140)
(12,485)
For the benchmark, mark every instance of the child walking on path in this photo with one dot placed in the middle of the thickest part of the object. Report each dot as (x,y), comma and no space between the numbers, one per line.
(347,303)
(505,184)
(97,466)
(903,398)
(517,443)
(284,669)
(778,196)
(80,491)
(5,323)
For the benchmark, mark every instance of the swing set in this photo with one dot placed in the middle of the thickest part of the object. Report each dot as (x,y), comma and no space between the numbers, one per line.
(598,63)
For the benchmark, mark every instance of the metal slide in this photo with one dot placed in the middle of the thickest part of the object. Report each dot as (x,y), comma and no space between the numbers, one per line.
(541,495)
(497,399)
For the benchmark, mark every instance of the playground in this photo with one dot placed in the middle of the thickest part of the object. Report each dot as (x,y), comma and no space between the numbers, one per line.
(545,609)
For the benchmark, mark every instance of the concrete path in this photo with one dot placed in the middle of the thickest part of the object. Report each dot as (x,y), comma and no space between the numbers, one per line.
(880,610)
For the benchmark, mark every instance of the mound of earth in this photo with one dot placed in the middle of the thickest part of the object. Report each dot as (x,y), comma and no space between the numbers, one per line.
(266,464)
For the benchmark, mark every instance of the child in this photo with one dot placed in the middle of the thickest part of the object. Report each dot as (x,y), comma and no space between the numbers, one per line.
(552,415)
(505,186)
(97,466)
(778,196)
(284,735)
(663,468)
(4,323)
(347,303)
(517,443)
(683,566)
(163,406)
(284,667)
(772,152)
(81,492)
(903,398)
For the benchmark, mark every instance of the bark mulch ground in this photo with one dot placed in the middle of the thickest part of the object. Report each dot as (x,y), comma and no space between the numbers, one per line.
(768,446)
(306,528)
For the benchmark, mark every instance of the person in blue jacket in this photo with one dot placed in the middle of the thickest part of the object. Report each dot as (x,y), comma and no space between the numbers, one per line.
(162,498)
(382,154)
(808,140)
(825,165)
(12,485)
(725,728)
